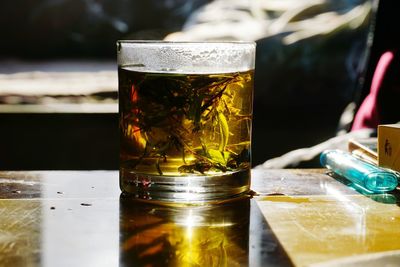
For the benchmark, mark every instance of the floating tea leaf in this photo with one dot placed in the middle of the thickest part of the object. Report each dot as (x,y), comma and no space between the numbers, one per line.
(181,124)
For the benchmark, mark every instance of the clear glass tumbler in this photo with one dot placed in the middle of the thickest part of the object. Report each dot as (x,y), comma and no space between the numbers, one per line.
(185,113)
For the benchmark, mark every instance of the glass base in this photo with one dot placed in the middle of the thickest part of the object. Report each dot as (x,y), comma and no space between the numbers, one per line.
(190,189)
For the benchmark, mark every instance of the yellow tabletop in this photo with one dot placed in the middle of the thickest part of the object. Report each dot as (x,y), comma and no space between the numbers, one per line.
(319,220)
(297,218)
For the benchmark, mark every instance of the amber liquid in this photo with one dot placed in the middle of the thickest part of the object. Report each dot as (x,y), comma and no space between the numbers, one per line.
(183,125)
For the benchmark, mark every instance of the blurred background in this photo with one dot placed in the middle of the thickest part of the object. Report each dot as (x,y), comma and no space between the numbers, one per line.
(58,78)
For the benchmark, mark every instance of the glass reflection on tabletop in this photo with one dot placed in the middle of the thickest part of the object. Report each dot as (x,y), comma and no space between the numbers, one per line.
(153,235)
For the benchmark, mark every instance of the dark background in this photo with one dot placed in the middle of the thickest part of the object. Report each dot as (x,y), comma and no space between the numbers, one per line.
(54,29)
(299,97)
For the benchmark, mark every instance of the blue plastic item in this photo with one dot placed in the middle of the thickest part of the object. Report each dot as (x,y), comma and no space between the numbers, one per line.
(364,174)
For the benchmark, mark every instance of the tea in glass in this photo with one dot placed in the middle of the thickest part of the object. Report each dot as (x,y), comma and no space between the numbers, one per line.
(185,130)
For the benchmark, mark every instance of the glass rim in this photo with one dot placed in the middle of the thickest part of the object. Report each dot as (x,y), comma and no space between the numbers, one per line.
(184,42)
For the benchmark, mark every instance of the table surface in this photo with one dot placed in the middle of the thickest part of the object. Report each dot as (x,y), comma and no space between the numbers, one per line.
(297,218)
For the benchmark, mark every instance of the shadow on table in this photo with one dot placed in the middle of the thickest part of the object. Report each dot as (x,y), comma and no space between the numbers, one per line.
(230,234)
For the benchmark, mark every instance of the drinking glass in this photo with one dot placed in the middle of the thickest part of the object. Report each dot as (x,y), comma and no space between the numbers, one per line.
(185,114)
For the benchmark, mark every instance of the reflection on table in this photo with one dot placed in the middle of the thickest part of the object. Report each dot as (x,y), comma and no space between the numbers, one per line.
(184,236)
(299,217)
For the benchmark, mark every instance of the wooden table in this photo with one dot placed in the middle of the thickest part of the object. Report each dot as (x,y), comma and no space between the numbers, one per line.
(299,217)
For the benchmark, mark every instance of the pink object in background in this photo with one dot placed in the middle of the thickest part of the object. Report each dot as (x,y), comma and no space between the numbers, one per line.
(368,114)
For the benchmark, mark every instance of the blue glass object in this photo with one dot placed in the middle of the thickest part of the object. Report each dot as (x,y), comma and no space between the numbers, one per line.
(359,172)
